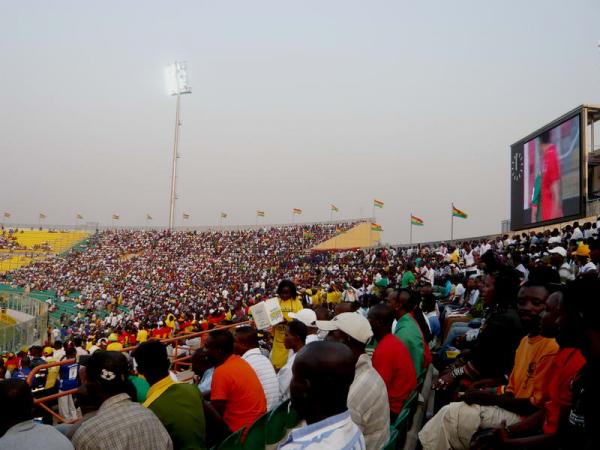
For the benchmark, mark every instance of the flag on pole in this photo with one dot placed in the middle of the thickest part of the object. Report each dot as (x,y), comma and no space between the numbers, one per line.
(458,213)
(260,214)
(376,227)
(334,208)
(115,217)
(186,216)
(148,217)
(42,216)
(79,217)
(297,211)
(7,215)
(223,215)
(414,220)
(377,203)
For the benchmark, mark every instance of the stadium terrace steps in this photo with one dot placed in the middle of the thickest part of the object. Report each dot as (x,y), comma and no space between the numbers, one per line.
(58,241)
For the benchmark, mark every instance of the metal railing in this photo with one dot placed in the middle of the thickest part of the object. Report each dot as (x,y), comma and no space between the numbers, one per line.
(26,332)
(176,362)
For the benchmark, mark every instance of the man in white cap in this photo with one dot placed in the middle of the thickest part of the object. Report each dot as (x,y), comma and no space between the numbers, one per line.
(309,318)
(557,259)
(367,400)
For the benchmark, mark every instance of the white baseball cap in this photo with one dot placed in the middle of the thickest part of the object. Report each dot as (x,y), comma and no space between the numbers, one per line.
(307,316)
(353,324)
(561,251)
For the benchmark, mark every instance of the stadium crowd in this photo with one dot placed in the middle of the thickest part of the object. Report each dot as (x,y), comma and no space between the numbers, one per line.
(510,323)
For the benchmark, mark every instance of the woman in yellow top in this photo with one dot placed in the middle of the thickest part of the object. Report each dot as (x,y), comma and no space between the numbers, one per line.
(288,302)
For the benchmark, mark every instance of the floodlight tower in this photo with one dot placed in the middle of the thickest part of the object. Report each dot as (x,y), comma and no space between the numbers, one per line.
(177,84)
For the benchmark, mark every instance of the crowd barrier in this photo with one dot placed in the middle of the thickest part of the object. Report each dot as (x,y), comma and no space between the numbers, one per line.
(25,332)
(176,361)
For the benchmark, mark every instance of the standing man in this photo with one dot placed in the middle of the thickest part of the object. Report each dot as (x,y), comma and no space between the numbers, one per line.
(68,378)
(323,373)
(550,191)
(178,405)
(367,399)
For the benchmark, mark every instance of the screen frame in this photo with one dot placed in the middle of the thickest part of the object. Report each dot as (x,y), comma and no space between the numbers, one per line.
(582,169)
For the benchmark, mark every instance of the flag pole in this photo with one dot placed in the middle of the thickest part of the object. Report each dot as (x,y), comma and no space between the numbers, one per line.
(452,224)
(411,225)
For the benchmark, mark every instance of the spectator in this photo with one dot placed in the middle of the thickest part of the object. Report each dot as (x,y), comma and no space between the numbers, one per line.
(177,405)
(455,424)
(18,431)
(68,379)
(22,372)
(308,317)
(582,428)
(323,374)
(246,346)
(295,336)
(236,392)
(367,399)
(391,359)
(407,329)
(119,424)
(288,302)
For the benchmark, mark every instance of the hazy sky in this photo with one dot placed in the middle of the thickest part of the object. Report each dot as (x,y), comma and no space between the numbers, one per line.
(294,104)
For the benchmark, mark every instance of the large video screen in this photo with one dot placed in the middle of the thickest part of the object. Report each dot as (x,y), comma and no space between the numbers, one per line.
(546,176)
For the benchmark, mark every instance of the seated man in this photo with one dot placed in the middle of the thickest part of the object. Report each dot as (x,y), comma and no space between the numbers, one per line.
(455,424)
(391,359)
(295,336)
(367,400)
(540,429)
(323,373)
(246,346)
(236,392)
(120,424)
(177,405)
(17,428)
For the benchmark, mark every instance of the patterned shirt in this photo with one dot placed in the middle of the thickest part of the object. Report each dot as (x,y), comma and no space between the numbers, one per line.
(266,375)
(334,433)
(122,425)
(369,405)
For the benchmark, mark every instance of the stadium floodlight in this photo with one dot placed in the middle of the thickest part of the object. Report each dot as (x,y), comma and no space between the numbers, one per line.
(177,84)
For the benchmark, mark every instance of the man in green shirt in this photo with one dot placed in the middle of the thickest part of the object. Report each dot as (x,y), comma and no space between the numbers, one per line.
(408,277)
(178,405)
(407,329)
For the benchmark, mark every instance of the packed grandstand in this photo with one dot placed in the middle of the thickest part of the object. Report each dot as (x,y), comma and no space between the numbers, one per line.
(389,345)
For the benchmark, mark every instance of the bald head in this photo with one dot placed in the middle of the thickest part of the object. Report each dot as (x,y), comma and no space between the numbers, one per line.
(381,317)
(322,374)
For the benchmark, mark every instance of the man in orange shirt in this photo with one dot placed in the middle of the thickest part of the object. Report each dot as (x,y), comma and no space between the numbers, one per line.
(455,424)
(236,392)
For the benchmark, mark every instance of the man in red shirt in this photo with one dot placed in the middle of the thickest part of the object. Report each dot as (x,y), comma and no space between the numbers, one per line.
(551,198)
(236,392)
(391,359)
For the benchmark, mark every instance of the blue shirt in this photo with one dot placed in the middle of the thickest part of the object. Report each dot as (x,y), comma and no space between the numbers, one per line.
(335,432)
(68,377)
(21,374)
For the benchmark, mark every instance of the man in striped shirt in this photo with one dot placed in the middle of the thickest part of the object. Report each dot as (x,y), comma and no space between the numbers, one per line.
(246,346)
(322,374)
(367,399)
